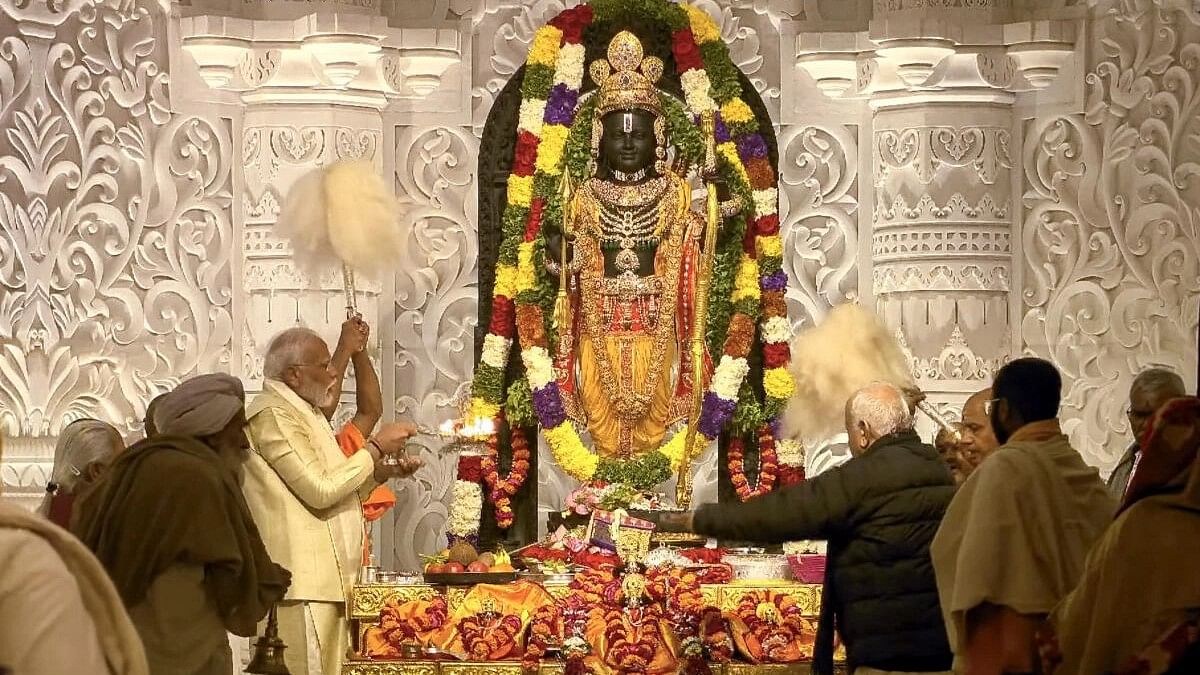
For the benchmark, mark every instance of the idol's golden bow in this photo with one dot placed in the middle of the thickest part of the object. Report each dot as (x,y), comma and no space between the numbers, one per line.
(683,486)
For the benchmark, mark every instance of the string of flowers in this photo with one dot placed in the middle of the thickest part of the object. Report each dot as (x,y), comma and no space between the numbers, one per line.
(768,467)
(741,293)
(545,630)
(483,636)
(503,489)
(790,454)
(776,623)
(466,503)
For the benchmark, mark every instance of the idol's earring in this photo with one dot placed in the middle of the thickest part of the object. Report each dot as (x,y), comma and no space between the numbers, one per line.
(660,138)
(597,132)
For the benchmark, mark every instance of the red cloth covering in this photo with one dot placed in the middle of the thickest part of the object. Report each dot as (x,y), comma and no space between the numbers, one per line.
(708,556)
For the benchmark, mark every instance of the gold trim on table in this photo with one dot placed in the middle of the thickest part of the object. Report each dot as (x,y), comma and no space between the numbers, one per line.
(370,599)
(547,668)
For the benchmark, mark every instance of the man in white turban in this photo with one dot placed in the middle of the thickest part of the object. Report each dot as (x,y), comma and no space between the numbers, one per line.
(306,495)
(170,525)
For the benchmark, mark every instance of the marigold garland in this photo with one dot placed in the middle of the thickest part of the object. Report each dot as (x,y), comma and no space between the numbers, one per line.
(768,466)
(502,489)
(482,641)
(775,621)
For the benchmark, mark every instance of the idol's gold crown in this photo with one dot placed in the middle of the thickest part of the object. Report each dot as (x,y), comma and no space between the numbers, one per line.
(627,78)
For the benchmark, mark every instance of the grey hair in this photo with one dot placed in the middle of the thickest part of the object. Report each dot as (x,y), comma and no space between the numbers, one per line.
(882,407)
(1159,380)
(285,350)
(80,444)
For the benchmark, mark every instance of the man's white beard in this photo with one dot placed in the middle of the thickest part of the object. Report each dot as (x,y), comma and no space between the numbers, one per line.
(317,396)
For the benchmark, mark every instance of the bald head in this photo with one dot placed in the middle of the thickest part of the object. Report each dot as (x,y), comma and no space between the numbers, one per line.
(978,438)
(873,412)
(1150,390)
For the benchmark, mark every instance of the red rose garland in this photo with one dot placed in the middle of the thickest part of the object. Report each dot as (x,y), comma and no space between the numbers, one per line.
(768,466)
(502,489)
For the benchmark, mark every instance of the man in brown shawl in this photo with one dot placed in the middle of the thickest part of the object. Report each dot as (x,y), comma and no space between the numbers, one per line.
(170,525)
(1014,538)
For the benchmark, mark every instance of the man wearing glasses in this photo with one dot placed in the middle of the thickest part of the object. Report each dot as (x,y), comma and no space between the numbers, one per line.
(1150,390)
(1015,536)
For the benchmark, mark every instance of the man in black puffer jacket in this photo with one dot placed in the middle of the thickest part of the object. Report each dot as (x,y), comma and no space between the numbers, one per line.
(879,512)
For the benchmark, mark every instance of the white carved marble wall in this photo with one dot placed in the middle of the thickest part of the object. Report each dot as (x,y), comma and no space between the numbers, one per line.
(116,237)
(1110,231)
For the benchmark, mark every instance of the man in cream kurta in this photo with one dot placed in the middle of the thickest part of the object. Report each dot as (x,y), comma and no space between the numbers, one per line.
(306,495)
(1014,539)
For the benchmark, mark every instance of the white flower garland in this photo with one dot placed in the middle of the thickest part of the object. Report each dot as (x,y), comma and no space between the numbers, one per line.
(495,350)
(466,505)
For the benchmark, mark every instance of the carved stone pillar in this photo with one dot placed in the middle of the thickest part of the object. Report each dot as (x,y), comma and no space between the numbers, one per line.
(941,241)
(942,86)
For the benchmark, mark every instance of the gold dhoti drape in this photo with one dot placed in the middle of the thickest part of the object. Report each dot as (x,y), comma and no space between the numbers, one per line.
(630,355)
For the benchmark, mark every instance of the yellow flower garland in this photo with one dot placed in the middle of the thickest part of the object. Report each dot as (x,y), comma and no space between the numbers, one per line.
(771,246)
(736,111)
(545,46)
(550,150)
(704,29)
(520,190)
(778,383)
(745,284)
(526,272)
(506,281)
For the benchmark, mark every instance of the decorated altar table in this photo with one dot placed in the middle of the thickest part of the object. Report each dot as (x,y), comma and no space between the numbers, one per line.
(370,599)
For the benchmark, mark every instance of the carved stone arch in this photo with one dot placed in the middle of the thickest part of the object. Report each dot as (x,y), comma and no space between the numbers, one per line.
(494,166)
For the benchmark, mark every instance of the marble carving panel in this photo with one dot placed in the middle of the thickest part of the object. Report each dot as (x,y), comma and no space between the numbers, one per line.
(1111,230)
(435,308)
(115,225)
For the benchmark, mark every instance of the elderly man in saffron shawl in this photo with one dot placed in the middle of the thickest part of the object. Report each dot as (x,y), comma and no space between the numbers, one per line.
(169,524)
(1014,538)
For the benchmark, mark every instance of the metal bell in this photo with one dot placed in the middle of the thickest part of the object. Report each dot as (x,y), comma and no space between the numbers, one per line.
(268,651)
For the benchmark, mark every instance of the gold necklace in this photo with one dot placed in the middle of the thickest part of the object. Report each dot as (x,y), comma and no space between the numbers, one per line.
(629,195)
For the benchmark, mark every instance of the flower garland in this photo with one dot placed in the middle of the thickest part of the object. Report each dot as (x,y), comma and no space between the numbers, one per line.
(791,461)
(466,503)
(714,633)
(502,489)
(752,288)
(775,622)
(545,630)
(633,637)
(397,628)
(768,467)
(483,636)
